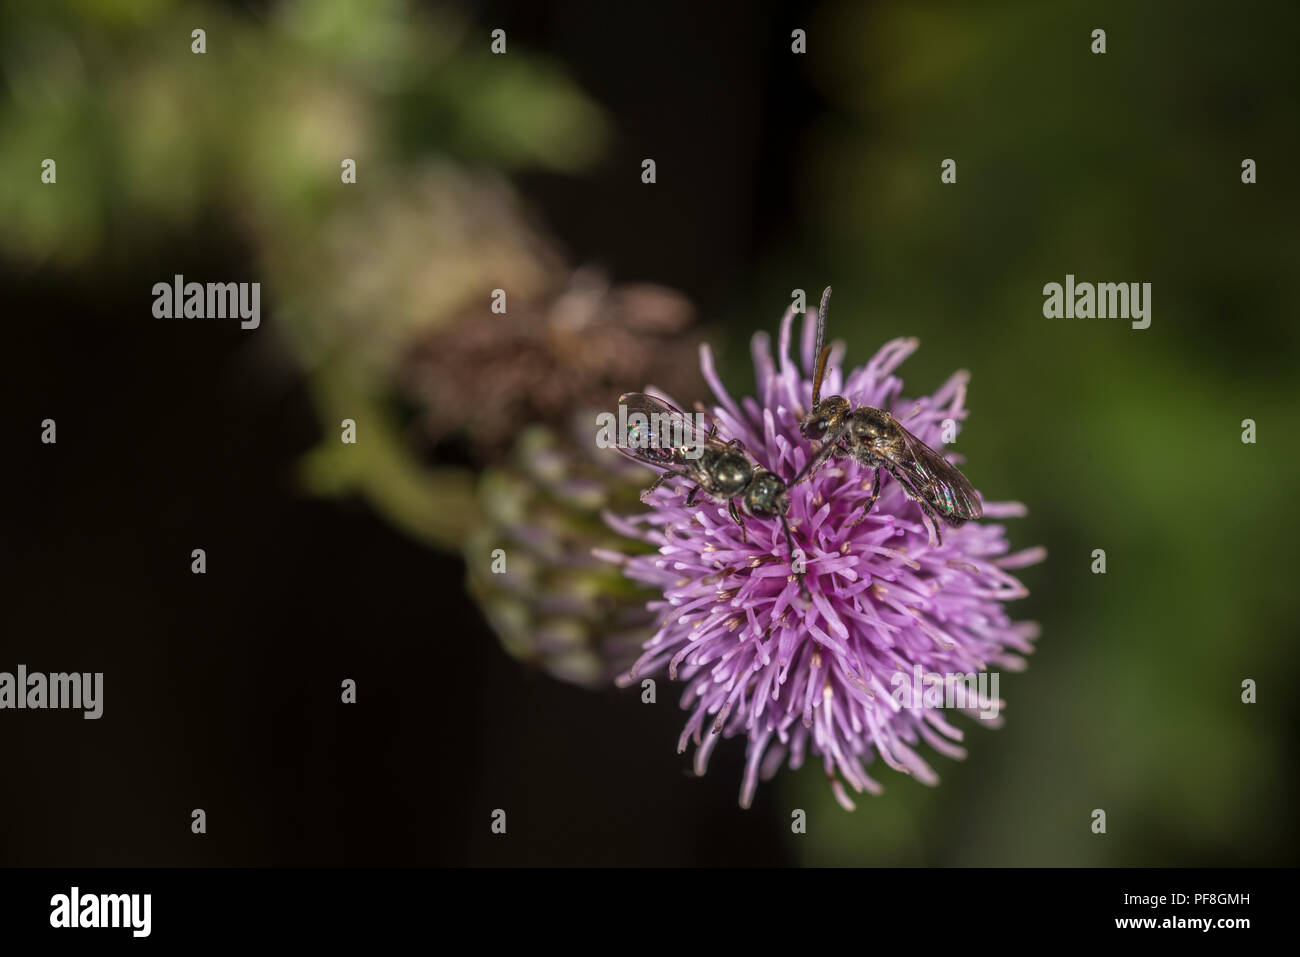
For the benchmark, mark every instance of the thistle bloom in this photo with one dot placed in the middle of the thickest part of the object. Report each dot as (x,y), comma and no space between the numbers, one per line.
(823,677)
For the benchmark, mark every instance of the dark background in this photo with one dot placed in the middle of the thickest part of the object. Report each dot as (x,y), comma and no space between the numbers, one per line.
(222,691)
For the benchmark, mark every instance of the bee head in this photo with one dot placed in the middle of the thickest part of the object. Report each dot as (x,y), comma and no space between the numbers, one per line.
(765,496)
(825,417)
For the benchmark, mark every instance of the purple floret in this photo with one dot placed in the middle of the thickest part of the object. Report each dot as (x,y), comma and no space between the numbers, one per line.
(795,678)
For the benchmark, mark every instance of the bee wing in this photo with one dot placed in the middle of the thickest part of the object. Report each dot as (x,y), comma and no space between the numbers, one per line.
(944,486)
(656,431)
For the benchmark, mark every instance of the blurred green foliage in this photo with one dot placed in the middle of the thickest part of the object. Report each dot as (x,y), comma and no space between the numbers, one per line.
(146,132)
(149,136)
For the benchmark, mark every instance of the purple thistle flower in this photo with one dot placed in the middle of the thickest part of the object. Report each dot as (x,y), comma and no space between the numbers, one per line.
(795,677)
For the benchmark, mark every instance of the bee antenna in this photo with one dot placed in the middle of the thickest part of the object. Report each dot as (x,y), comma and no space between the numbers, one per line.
(823,351)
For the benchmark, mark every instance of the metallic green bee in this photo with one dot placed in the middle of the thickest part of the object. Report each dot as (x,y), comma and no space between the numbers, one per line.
(722,471)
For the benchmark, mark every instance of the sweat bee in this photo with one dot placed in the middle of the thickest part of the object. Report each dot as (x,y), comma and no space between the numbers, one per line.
(722,471)
(877,440)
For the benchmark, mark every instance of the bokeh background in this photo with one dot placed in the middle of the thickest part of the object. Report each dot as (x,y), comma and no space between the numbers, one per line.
(775,171)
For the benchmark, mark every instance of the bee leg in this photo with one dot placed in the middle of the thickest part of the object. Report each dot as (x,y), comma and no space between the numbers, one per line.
(690,498)
(798,569)
(928,513)
(735,517)
(875,493)
(931,524)
(659,480)
(814,463)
